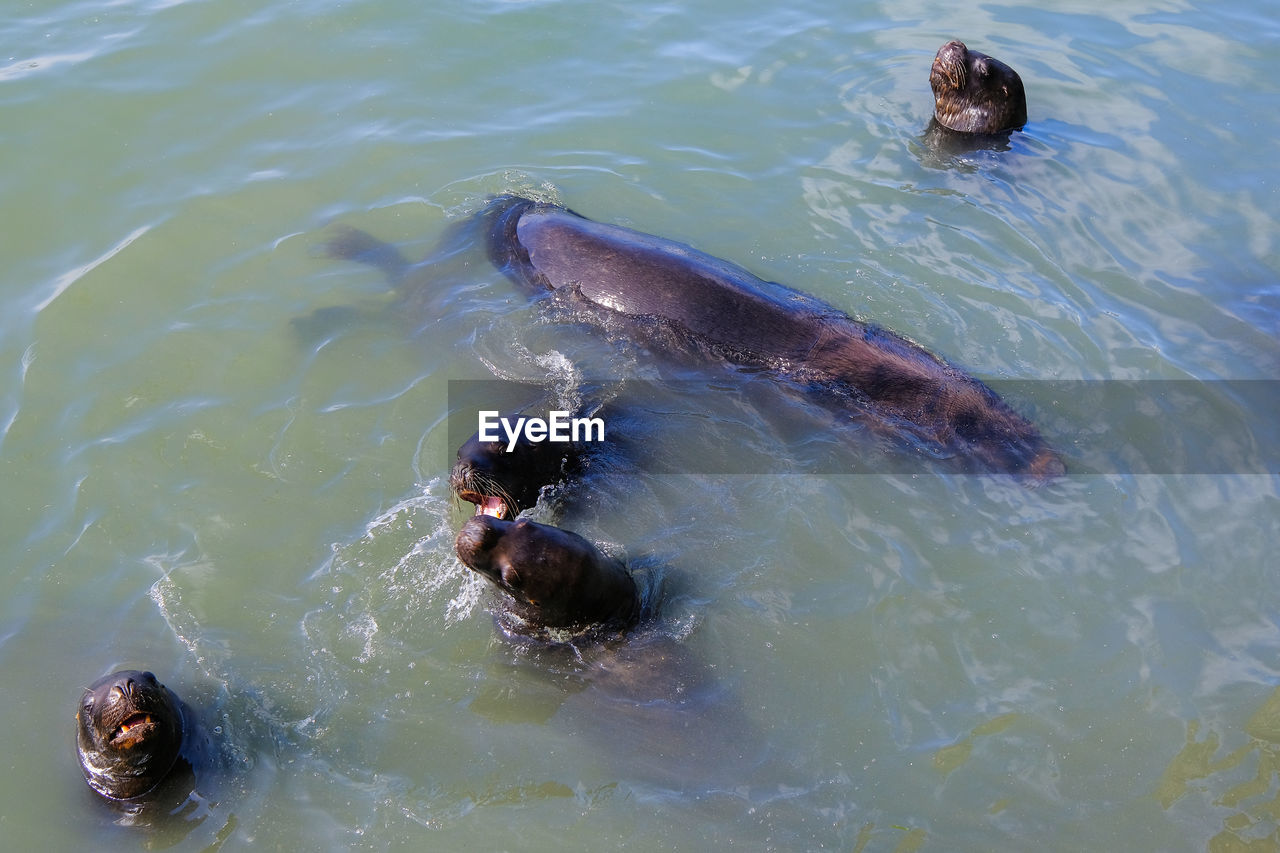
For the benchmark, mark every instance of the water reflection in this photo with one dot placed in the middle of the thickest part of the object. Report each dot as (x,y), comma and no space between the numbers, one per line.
(1249,809)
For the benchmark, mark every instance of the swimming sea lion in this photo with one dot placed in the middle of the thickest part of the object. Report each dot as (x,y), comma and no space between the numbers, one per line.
(760,324)
(130,734)
(671,718)
(555,578)
(500,480)
(976,93)
(678,295)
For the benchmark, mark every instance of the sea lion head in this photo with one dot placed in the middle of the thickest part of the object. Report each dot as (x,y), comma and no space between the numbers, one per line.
(556,578)
(129,733)
(976,93)
(502,482)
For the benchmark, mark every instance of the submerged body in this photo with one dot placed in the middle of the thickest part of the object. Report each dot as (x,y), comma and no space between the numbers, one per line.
(759,324)
(616,675)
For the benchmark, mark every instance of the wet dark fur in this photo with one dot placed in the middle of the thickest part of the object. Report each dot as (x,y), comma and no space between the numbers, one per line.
(976,93)
(554,578)
(488,469)
(756,323)
(125,766)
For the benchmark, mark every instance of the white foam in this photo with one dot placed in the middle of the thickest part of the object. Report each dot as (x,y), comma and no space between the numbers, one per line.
(70,277)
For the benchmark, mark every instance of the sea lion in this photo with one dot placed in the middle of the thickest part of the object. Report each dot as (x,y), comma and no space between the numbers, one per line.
(686,300)
(746,321)
(976,93)
(501,480)
(554,578)
(131,734)
(613,673)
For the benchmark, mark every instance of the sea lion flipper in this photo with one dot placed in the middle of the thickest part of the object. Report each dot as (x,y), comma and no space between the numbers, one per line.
(352,244)
(323,323)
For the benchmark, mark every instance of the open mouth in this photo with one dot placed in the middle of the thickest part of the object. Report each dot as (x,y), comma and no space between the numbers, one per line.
(485,504)
(133,729)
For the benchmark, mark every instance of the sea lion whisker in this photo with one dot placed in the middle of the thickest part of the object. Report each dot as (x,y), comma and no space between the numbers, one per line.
(486,486)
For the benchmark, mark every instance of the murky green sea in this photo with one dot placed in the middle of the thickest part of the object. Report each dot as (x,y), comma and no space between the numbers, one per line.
(203,476)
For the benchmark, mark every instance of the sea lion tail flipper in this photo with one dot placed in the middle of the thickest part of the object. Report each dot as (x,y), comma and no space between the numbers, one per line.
(352,244)
(1045,466)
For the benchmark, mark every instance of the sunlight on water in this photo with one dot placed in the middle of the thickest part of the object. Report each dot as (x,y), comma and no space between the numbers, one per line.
(225,453)
(421,581)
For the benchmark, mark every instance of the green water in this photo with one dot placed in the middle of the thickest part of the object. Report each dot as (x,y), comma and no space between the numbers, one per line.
(255,508)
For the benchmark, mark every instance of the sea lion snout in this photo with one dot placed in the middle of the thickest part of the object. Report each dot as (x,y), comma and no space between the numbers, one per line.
(950,67)
(131,687)
(476,540)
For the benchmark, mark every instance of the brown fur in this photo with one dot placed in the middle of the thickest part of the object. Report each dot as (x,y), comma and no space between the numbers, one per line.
(895,382)
(976,93)
(555,578)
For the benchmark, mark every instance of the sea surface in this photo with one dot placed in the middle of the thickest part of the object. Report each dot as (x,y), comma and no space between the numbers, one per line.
(224,453)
